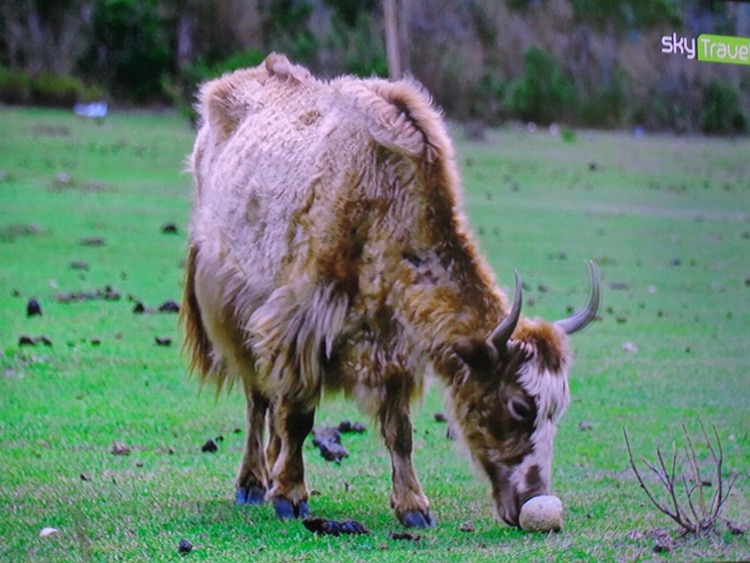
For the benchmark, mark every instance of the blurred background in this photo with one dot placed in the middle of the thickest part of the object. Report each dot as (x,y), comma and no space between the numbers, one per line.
(584,63)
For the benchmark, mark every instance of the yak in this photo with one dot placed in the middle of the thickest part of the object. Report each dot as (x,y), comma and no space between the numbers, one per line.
(328,251)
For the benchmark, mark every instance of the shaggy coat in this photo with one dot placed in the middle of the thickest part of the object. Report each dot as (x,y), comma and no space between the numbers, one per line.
(328,251)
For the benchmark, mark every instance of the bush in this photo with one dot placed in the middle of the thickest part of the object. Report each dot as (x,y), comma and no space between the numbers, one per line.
(720,112)
(545,93)
(605,108)
(17,87)
(485,98)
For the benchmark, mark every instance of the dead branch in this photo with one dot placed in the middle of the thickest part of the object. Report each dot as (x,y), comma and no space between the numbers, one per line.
(689,510)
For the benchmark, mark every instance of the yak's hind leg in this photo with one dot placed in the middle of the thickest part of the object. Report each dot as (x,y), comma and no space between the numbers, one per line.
(290,423)
(219,350)
(407,498)
(252,478)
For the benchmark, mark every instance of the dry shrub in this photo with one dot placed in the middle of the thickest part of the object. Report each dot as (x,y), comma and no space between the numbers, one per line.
(686,503)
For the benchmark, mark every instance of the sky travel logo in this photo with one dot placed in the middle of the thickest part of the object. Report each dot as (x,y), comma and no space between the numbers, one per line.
(709,48)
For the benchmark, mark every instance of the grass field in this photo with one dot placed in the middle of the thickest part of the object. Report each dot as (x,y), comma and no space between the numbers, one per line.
(667,219)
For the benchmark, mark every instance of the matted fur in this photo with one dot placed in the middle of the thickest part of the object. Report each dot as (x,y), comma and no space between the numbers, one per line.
(329,250)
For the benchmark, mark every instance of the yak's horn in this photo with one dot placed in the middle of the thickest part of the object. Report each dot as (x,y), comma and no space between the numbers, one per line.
(579,320)
(501,334)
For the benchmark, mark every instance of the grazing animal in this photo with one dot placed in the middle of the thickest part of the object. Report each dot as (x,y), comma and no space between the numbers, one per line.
(328,251)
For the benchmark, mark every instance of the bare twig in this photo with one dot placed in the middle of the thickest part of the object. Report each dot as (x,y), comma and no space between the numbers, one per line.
(651,497)
(693,464)
(693,515)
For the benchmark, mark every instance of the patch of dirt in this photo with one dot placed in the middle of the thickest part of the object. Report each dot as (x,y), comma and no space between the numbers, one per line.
(120,448)
(106,294)
(63,182)
(10,233)
(48,130)
(92,241)
(663,540)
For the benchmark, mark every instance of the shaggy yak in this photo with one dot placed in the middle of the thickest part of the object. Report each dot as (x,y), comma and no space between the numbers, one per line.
(328,250)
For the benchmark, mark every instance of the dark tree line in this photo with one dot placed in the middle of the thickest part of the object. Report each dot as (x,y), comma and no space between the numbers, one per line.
(581,62)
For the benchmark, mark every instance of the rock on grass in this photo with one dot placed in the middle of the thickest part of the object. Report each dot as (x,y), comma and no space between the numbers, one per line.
(120,448)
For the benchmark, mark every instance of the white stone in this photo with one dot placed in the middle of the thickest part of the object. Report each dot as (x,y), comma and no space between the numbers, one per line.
(542,514)
(47,532)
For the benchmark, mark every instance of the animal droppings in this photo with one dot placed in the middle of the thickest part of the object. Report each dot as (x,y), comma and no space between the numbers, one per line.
(184,547)
(209,446)
(440,417)
(347,427)
(33,308)
(542,514)
(25,340)
(163,341)
(404,536)
(333,527)
(169,228)
(169,307)
(328,441)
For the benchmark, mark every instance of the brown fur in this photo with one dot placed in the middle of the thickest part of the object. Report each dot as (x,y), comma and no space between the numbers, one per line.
(329,251)
(196,341)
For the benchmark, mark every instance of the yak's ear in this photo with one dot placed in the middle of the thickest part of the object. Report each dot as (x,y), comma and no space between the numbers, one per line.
(222,106)
(476,353)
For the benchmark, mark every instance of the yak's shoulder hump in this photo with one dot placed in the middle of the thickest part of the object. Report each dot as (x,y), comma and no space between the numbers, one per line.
(399,115)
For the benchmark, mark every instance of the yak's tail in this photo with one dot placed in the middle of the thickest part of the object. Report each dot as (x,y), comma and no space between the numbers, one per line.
(196,341)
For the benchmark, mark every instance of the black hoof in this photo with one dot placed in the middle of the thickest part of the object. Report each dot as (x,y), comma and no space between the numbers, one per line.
(417,520)
(251,495)
(285,510)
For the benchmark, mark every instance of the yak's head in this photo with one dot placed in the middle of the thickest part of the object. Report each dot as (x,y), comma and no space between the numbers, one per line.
(509,400)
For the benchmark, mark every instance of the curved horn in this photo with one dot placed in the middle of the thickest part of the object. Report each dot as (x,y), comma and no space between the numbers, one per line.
(579,320)
(501,334)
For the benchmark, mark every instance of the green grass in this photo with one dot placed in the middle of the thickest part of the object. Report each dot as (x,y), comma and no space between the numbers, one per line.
(668,217)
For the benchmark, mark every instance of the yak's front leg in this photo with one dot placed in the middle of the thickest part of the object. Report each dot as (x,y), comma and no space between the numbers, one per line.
(252,477)
(291,423)
(407,498)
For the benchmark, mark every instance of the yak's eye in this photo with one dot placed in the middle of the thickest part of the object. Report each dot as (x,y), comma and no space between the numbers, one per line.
(518,409)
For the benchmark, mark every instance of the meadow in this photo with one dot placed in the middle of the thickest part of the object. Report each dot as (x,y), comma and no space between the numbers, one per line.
(83,211)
